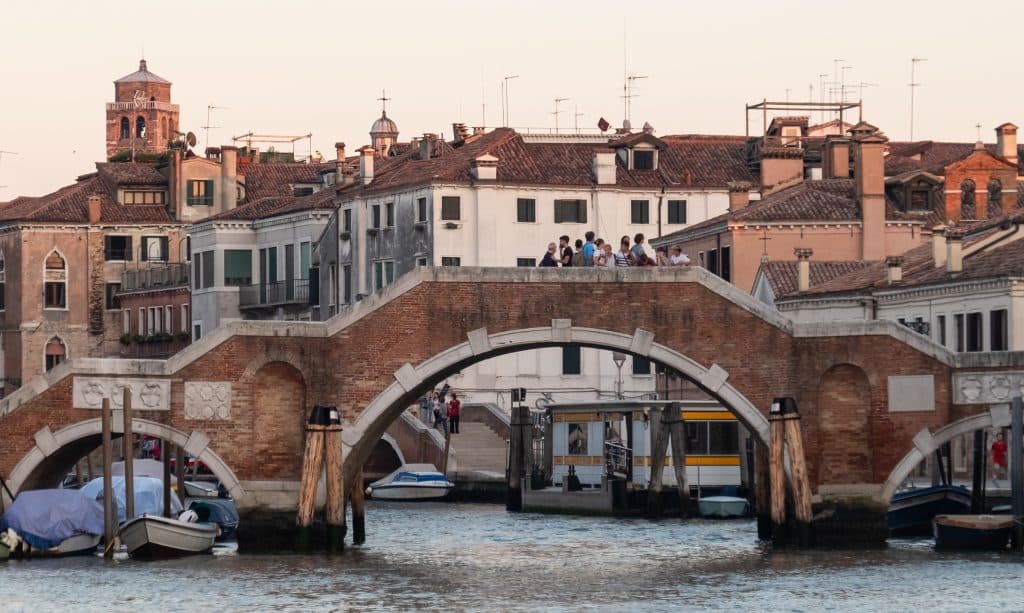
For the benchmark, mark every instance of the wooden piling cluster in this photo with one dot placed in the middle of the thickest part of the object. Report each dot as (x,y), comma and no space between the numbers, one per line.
(109,511)
(517,456)
(322,454)
(784,435)
(128,453)
(667,427)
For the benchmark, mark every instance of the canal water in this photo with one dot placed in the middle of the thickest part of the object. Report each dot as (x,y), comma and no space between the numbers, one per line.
(478,557)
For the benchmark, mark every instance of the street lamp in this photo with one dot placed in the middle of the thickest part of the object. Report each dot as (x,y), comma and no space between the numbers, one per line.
(619,358)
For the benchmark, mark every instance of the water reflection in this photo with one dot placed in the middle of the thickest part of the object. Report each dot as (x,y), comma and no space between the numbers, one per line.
(477,557)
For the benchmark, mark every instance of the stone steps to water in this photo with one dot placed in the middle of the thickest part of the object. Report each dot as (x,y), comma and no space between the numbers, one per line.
(478,447)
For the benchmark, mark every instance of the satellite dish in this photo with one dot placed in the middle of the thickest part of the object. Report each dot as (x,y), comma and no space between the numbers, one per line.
(190,139)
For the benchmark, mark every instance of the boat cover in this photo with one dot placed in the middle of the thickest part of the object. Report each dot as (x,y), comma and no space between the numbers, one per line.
(143,467)
(44,518)
(410,468)
(149,495)
(218,510)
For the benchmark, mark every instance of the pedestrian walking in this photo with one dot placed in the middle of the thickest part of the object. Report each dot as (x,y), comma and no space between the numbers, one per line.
(998,458)
(454,410)
(549,258)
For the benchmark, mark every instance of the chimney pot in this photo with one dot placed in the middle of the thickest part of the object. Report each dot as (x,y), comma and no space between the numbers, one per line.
(803,268)
(939,246)
(95,209)
(1006,141)
(739,194)
(339,151)
(426,145)
(366,165)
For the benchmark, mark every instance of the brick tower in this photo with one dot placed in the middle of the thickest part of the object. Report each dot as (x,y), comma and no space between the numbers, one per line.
(142,116)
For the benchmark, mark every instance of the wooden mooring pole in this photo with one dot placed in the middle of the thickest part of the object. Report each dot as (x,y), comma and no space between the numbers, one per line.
(165,458)
(516,458)
(179,472)
(777,474)
(109,513)
(358,498)
(801,483)
(762,495)
(677,434)
(334,461)
(323,446)
(128,453)
(659,433)
(978,473)
(1017,470)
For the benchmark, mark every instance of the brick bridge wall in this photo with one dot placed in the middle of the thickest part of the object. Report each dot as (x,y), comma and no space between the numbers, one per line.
(276,370)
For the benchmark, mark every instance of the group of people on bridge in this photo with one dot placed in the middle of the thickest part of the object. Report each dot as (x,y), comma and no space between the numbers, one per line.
(599,253)
(438,410)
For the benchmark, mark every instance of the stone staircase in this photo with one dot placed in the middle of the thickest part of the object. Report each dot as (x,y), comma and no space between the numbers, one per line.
(479,449)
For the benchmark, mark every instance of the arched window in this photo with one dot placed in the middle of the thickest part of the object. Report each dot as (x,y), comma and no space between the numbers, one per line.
(126,130)
(995,198)
(55,352)
(3,282)
(55,280)
(140,127)
(967,199)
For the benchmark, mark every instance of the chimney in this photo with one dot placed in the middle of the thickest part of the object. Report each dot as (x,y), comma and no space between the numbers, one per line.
(1006,141)
(94,210)
(835,162)
(739,194)
(954,253)
(213,153)
(869,180)
(459,132)
(603,167)
(366,165)
(939,245)
(427,145)
(803,268)
(780,167)
(254,155)
(894,269)
(339,152)
(228,178)
(484,168)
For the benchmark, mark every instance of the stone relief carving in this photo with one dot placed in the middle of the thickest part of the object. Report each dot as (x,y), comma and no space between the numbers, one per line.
(207,400)
(979,387)
(147,394)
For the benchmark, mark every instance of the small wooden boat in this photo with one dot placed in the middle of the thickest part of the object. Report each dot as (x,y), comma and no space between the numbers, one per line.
(911,512)
(153,536)
(972,531)
(722,506)
(411,482)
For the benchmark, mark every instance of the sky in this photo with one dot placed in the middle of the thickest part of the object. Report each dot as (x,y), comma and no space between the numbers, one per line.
(295,67)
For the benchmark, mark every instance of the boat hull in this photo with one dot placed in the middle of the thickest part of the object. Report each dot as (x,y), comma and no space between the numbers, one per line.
(722,506)
(410,492)
(911,513)
(972,531)
(151,536)
(5,552)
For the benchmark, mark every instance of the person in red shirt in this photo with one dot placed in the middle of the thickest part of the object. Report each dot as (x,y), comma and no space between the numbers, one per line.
(454,407)
(999,457)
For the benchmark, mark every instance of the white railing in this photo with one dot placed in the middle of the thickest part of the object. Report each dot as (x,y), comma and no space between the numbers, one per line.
(143,106)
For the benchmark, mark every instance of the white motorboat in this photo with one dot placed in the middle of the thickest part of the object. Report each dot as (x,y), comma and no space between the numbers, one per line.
(153,536)
(722,506)
(411,482)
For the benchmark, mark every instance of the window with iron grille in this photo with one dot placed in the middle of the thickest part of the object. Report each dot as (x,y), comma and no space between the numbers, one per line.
(113,301)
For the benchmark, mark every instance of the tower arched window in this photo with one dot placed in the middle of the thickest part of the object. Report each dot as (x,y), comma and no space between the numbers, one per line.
(995,198)
(126,128)
(55,353)
(967,199)
(140,127)
(55,281)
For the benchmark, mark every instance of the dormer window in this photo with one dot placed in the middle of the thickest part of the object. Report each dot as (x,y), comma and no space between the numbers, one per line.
(643,159)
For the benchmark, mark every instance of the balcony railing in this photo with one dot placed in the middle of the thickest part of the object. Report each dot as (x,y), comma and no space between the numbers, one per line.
(155,276)
(276,293)
(143,106)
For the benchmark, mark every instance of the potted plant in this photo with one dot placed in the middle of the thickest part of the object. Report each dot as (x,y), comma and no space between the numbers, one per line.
(182,336)
(126,338)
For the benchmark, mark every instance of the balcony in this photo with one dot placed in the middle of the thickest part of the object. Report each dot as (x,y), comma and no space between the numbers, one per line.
(148,105)
(155,276)
(294,292)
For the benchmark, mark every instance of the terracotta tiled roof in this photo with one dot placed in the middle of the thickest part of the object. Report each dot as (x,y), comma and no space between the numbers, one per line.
(273,206)
(130,174)
(783,276)
(934,156)
(70,205)
(276,179)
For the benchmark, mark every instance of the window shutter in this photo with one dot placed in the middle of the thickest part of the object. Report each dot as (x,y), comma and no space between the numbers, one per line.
(582,211)
(558,212)
(314,286)
(164,245)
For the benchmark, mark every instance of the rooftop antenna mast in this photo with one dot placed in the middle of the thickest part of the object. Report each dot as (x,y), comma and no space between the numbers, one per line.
(860,97)
(821,94)
(2,154)
(557,111)
(504,97)
(629,95)
(576,118)
(914,61)
(209,111)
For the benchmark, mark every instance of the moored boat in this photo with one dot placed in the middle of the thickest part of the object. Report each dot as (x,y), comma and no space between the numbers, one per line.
(411,482)
(911,512)
(722,506)
(220,511)
(52,522)
(153,536)
(972,531)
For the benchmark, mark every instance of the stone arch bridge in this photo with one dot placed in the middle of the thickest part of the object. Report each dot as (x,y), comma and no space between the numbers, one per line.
(871,394)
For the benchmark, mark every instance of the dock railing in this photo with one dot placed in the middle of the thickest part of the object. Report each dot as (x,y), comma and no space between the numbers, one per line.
(617,458)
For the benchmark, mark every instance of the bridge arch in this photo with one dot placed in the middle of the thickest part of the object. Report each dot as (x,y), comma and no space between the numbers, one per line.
(926,442)
(57,451)
(412,381)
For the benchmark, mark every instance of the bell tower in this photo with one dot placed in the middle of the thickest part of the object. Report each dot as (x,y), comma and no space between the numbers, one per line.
(141,119)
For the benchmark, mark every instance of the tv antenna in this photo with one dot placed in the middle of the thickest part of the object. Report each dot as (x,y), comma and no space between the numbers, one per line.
(628,95)
(914,61)
(209,109)
(2,154)
(576,118)
(557,111)
(504,98)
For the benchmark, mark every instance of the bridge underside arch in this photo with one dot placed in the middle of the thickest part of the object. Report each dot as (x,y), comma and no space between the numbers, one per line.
(55,453)
(413,381)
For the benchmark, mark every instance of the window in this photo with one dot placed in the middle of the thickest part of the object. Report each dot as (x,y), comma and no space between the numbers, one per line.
(999,340)
(142,322)
(126,321)
(154,249)
(451,208)
(304,261)
(197,331)
(958,324)
(570,211)
(302,191)
(184,318)
(421,209)
(995,197)
(526,262)
(640,211)
(726,264)
(154,320)
(389,215)
(140,127)
(55,279)
(346,220)
(55,352)
(421,261)
(346,283)
(117,248)
(967,199)
(197,266)
(375,216)
(526,210)
(289,272)
(713,260)
(200,193)
(571,360)
(332,284)
(113,302)
(237,267)
(126,128)
(940,330)
(920,200)
(643,160)
(975,338)
(207,258)
(144,197)
(641,366)
(451,261)
(677,211)
(712,437)
(383,274)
